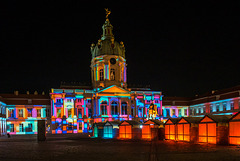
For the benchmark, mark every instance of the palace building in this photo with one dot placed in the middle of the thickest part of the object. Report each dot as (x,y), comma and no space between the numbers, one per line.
(76,108)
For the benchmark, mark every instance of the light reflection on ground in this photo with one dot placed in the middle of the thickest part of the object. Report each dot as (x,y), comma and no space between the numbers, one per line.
(83,148)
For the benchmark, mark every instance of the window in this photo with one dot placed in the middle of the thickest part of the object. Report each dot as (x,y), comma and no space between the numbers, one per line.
(173,112)
(194,111)
(185,112)
(168,112)
(58,101)
(199,110)
(217,107)
(124,108)
(59,111)
(69,112)
(179,113)
(11,127)
(38,112)
(156,101)
(224,107)
(48,113)
(69,100)
(89,113)
(191,111)
(148,101)
(132,111)
(89,100)
(112,74)
(79,112)
(114,108)
(232,106)
(21,128)
(101,75)
(70,126)
(11,113)
(29,127)
(104,108)
(211,108)
(29,112)
(20,113)
(204,109)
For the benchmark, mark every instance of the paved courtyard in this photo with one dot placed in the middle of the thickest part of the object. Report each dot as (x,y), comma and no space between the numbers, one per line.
(80,147)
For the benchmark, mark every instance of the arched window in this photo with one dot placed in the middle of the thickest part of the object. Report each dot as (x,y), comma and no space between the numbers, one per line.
(101,75)
(114,106)
(124,108)
(112,74)
(103,108)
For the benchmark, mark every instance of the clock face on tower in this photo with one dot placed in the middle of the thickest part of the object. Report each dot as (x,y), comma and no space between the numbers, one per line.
(113,61)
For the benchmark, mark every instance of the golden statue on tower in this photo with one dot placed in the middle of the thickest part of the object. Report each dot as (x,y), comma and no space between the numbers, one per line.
(152,111)
(107,13)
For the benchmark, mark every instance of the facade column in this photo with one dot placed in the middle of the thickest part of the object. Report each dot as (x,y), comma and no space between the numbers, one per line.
(109,106)
(144,109)
(84,105)
(98,107)
(129,108)
(135,108)
(120,106)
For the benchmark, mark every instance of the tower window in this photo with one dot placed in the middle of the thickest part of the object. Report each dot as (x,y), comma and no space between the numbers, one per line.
(101,75)
(112,74)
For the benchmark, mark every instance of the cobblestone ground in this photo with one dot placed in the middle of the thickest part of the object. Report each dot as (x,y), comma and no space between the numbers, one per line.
(81,148)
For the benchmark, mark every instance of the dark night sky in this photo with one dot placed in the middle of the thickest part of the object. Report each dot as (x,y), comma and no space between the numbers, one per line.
(180,48)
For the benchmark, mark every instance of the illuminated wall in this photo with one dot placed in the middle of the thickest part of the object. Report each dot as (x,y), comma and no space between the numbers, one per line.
(22,119)
(221,107)
(2,119)
(175,111)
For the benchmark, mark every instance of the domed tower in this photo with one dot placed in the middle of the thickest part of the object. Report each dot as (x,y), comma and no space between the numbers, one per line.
(108,65)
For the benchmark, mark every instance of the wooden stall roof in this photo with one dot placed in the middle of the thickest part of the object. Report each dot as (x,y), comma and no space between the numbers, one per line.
(190,120)
(99,124)
(216,118)
(131,122)
(157,122)
(172,121)
(113,123)
(235,117)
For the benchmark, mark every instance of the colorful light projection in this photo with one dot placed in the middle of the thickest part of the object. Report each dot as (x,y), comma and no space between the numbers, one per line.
(207,131)
(22,127)
(234,129)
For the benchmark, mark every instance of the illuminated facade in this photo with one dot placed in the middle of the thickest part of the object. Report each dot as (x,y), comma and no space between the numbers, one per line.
(24,110)
(2,117)
(75,109)
(175,107)
(221,102)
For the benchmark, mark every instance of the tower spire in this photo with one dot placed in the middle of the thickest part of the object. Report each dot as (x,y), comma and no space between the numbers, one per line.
(107,27)
(107,13)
